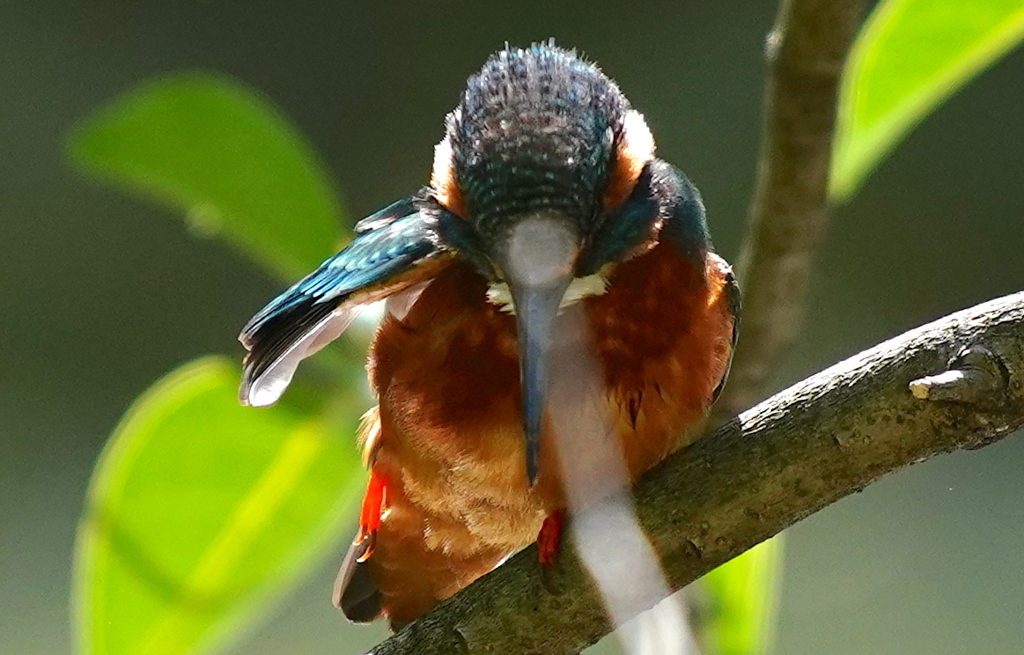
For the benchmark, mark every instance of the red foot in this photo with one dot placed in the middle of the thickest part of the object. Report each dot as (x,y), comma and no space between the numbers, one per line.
(550,537)
(369,516)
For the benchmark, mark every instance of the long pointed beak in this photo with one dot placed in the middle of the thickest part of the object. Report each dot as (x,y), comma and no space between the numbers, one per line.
(538,260)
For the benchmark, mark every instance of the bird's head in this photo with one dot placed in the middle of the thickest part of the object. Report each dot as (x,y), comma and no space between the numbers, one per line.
(545,179)
(541,159)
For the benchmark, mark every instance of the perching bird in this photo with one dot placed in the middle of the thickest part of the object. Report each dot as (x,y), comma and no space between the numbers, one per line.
(545,195)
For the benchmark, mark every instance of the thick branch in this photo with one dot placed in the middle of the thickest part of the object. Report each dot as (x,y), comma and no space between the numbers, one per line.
(806,52)
(790,456)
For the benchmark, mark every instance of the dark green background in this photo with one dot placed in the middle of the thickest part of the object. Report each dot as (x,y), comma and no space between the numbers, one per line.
(100,293)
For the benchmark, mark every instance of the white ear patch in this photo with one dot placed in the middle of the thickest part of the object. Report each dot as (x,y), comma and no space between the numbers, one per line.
(581,287)
(637,141)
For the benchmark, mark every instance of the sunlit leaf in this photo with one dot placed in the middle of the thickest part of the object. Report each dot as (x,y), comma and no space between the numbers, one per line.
(741,599)
(910,56)
(200,511)
(225,155)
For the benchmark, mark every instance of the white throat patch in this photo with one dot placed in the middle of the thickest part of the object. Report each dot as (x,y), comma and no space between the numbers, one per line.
(591,285)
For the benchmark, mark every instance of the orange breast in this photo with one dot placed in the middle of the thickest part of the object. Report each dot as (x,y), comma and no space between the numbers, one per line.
(451,444)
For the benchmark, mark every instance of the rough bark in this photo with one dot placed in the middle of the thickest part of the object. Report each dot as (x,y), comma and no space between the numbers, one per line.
(953,384)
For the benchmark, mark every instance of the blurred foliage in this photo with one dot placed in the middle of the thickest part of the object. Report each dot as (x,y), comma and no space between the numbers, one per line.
(910,56)
(201,511)
(741,602)
(198,510)
(226,156)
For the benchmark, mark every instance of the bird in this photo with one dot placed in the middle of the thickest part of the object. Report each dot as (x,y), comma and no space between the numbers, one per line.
(545,198)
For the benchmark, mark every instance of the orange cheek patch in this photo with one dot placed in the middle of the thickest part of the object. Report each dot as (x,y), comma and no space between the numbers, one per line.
(636,148)
(442,179)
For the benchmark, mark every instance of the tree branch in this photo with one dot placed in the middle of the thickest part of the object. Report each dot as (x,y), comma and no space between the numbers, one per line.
(806,52)
(793,454)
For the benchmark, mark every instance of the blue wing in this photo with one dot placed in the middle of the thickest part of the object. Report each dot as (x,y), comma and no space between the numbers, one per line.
(318,308)
(388,215)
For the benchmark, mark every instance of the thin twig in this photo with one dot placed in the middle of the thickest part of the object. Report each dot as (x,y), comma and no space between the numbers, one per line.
(806,51)
(795,453)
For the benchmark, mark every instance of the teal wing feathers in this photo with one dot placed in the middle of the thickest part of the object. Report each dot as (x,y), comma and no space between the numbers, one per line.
(318,308)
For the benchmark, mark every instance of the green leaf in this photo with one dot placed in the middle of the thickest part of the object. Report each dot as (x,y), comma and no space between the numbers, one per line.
(910,56)
(201,511)
(226,156)
(741,602)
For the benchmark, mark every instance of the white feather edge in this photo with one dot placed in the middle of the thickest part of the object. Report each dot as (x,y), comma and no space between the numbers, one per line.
(268,387)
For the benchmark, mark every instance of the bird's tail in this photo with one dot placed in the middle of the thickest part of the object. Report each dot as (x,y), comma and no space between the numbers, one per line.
(393,570)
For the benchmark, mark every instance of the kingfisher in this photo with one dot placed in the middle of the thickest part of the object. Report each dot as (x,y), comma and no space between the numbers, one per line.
(545,198)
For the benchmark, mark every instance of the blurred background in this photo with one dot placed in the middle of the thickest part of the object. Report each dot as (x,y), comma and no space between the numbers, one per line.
(101,292)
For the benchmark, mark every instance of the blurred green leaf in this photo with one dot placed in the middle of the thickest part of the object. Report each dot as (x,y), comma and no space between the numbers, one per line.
(200,511)
(910,56)
(741,602)
(222,152)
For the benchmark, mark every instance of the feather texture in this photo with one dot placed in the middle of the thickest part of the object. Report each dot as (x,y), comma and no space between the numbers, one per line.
(387,256)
